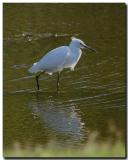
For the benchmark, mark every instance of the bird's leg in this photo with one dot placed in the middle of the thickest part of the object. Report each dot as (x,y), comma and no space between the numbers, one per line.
(58,83)
(37,80)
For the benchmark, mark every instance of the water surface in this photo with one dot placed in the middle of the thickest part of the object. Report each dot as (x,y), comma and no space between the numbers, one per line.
(91,98)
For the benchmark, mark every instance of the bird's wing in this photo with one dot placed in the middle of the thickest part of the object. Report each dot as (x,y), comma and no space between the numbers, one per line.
(55,58)
(52,60)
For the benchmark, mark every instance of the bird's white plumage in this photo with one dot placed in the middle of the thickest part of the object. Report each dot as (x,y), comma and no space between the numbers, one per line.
(59,58)
(52,61)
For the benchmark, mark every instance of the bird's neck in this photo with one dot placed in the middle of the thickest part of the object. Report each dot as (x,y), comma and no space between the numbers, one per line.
(74,48)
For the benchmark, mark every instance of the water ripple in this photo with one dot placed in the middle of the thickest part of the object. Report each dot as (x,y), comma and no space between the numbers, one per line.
(29,36)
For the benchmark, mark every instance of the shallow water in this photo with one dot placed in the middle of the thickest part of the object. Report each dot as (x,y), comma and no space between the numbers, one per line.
(91,98)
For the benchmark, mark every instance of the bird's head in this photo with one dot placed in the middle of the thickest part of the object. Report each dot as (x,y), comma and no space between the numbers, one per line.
(80,44)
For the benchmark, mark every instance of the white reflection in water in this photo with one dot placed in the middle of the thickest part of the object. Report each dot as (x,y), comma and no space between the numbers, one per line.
(61,119)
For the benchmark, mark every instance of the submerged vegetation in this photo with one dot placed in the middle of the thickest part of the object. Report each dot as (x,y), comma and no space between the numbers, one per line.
(91,149)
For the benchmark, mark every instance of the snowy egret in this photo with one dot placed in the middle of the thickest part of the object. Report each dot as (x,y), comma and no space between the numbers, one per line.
(58,59)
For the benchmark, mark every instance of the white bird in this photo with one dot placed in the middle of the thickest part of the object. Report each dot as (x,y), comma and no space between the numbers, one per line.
(58,59)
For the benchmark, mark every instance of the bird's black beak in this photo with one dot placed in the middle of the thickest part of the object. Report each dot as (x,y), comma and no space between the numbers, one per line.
(91,49)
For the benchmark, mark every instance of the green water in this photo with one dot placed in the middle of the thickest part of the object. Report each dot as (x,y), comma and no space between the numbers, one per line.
(92,98)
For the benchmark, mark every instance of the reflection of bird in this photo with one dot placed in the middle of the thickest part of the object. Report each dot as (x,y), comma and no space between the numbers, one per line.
(58,59)
(58,118)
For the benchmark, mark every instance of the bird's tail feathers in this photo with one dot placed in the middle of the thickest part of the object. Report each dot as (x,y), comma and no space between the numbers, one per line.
(34,69)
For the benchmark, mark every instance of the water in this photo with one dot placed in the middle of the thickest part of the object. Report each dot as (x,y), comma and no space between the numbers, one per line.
(92,98)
